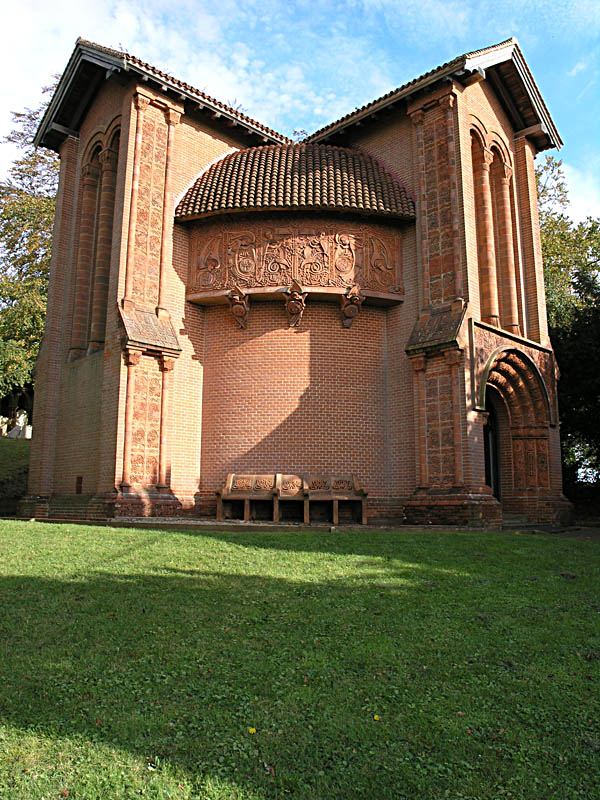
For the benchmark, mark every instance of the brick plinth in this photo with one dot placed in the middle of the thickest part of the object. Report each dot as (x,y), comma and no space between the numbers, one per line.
(471,510)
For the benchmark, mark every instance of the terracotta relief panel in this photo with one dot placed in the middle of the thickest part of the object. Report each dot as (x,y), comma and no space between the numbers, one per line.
(273,254)
(145,435)
(148,232)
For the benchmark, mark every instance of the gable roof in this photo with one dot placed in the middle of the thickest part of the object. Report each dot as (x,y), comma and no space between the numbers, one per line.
(503,64)
(292,177)
(91,64)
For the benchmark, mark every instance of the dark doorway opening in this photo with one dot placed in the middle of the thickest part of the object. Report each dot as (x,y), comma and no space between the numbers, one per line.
(490,444)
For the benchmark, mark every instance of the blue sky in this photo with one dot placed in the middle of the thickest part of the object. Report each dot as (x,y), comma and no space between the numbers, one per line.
(300,65)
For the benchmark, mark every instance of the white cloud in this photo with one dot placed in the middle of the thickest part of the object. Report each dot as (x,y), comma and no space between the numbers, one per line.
(584,192)
(579,67)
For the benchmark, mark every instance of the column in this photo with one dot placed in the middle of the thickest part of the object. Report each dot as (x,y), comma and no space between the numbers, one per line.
(166,367)
(132,359)
(87,225)
(173,118)
(108,165)
(141,104)
(509,279)
(419,364)
(453,359)
(488,280)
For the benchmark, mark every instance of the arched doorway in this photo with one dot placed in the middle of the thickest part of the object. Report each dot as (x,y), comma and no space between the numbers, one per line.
(517,432)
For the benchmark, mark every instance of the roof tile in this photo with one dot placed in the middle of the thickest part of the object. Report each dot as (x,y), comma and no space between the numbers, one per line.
(295,177)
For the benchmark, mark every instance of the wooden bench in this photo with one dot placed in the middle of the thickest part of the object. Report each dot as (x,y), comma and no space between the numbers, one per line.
(286,496)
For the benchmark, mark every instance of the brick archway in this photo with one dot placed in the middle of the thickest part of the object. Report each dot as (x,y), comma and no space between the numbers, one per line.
(513,389)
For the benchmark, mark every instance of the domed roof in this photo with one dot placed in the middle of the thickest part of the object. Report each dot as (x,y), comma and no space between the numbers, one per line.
(293,177)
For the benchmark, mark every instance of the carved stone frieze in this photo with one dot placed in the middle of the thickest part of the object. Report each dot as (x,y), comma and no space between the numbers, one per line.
(271,253)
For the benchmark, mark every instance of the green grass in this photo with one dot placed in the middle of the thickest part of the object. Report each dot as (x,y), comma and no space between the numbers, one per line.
(14,466)
(133,663)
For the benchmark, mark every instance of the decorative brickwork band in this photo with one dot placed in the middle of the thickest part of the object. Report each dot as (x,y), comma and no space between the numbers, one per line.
(108,162)
(140,104)
(89,188)
(166,367)
(132,359)
(172,118)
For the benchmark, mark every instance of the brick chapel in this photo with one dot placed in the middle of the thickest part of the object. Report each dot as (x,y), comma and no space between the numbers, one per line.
(368,302)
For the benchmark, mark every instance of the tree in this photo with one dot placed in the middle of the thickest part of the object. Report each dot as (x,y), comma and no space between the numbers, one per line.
(27,205)
(572,274)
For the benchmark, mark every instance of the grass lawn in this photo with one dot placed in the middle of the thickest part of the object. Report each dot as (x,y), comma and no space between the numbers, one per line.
(245,665)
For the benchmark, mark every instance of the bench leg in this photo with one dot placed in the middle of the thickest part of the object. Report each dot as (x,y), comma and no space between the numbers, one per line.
(363,505)
(275,509)
(336,515)
(306,511)
(219,508)
(246,510)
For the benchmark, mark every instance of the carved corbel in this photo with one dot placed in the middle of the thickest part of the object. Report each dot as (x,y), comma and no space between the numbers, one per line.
(240,306)
(295,303)
(350,305)
(131,357)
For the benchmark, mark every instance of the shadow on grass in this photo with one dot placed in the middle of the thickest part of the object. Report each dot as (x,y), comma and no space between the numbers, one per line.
(176,666)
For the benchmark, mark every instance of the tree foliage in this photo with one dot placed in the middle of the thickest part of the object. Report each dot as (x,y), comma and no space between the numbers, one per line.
(572,273)
(27,205)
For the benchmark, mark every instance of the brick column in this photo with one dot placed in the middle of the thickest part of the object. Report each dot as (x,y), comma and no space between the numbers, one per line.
(534,302)
(87,226)
(453,359)
(486,256)
(166,367)
(419,364)
(108,163)
(132,359)
(509,278)
(141,104)
(173,118)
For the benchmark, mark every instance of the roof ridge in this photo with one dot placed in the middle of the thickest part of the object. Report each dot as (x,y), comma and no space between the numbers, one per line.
(128,57)
(442,67)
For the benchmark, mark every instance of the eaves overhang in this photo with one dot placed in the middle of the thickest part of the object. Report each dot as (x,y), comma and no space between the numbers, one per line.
(91,64)
(505,67)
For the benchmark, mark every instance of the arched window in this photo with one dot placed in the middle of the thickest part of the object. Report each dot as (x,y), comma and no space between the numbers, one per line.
(96,214)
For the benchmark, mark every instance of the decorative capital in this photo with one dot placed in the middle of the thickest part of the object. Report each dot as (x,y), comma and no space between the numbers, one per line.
(90,174)
(447,101)
(172,116)
(132,357)
(295,302)
(240,306)
(418,117)
(166,364)
(350,304)
(506,173)
(488,158)
(418,363)
(453,356)
(108,160)
(141,102)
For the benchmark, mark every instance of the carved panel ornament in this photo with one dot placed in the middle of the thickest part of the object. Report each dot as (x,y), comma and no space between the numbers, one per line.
(350,305)
(310,254)
(295,302)
(240,306)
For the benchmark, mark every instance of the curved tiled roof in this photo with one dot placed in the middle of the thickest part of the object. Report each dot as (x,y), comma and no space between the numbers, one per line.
(319,177)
